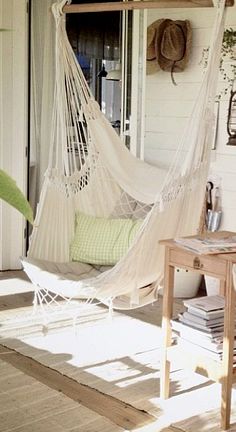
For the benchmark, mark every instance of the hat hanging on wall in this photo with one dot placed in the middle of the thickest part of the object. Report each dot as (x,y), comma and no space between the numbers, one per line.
(168,46)
(151,64)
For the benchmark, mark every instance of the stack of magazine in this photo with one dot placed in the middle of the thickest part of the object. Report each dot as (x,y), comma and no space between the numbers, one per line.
(200,328)
(208,245)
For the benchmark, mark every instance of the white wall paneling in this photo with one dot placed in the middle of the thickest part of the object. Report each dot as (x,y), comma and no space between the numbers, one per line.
(168,107)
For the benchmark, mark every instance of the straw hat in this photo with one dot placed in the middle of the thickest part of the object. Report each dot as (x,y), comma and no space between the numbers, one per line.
(168,45)
(152,65)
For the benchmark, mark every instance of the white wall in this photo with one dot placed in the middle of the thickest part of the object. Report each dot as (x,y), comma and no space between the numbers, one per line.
(13,123)
(168,106)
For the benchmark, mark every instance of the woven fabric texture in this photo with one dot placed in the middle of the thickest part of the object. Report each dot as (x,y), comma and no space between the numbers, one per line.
(102,241)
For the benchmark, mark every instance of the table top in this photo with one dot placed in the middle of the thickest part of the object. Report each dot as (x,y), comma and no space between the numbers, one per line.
(218,235)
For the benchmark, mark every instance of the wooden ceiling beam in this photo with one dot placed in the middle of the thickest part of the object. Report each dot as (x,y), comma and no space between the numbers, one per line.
(131,5)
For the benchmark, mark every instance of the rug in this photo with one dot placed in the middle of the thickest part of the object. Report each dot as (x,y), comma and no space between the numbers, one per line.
(119,356)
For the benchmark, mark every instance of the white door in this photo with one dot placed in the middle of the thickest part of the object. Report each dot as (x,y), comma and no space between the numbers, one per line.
(133,80)
(13,123)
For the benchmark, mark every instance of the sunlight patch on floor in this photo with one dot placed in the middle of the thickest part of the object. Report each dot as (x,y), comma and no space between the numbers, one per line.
(101,342)
(106,372)
(13,285)
(195,398)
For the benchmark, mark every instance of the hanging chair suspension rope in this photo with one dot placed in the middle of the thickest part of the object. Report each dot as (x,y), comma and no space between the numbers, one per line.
(131,5)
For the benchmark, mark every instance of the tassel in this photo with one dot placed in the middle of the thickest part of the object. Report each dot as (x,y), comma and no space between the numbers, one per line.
(161,204)
(110,310)
(134,298)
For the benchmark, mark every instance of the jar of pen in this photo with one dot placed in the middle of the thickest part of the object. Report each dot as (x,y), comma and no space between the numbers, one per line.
(213,207)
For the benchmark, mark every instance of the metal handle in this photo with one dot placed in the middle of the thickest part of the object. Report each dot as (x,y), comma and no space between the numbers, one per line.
(197,263)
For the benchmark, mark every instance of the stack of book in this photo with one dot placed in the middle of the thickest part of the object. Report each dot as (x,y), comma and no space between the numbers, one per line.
(201,327)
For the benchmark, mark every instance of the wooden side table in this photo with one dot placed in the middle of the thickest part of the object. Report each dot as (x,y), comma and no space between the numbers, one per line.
(218,266)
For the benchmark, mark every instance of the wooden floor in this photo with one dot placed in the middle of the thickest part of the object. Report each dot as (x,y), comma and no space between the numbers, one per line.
(103,377)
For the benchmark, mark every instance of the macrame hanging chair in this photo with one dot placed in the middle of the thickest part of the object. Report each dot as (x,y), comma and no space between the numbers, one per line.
(91,172)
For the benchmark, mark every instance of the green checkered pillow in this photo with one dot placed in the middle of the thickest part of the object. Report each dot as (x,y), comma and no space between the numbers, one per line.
(102,241)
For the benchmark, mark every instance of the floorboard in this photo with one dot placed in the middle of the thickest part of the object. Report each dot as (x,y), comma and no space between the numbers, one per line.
(121,413)
(27,405)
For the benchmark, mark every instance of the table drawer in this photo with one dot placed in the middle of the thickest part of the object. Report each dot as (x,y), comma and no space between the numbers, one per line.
(204,264)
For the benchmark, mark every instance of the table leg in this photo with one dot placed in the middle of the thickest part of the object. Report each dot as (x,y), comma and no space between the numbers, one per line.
(166,326)
(222,287)
(228,345)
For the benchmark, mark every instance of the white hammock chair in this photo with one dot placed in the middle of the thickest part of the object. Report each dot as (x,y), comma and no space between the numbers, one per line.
(91,171)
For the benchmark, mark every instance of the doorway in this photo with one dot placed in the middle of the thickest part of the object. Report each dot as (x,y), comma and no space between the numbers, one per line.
(102,44)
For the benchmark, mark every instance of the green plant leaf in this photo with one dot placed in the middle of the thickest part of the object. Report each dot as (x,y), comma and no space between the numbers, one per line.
(227,55)
(10,193)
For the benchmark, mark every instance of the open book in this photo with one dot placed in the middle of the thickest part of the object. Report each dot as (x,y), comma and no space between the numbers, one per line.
(209,245)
